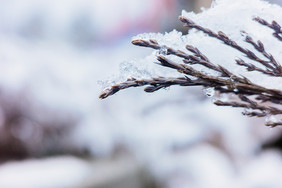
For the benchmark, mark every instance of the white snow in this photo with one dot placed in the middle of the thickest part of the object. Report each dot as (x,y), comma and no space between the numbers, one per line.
(54,172)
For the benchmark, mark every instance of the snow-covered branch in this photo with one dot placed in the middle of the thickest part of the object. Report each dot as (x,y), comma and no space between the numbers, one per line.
(257,100)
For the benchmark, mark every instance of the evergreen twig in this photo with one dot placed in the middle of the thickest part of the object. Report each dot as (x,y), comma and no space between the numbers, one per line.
(250,96)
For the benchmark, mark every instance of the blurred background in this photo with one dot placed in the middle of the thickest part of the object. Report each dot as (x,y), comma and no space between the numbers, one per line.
(56,57)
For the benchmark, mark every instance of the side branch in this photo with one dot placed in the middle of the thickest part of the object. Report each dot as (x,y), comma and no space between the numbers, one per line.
(271,65)
(274,25)
(154,84)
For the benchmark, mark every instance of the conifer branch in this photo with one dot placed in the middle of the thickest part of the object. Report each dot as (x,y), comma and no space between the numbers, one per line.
(250,96)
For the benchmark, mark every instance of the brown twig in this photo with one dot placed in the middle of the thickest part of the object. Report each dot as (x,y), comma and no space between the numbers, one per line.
(154,84)
(274,25)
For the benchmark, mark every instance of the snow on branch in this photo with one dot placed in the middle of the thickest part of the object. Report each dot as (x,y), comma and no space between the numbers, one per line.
(256,99)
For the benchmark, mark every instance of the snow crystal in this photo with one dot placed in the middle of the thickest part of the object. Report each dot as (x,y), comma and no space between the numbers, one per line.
(163,50)
(210,91)
(173,39)
(271,119)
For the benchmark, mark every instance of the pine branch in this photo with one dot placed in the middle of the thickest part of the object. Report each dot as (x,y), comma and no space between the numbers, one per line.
(250,96)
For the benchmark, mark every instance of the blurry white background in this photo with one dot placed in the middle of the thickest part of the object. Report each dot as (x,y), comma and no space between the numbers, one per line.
(54,131)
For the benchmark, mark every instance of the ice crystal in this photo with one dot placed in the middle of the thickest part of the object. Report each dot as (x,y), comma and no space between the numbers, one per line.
(209,91)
